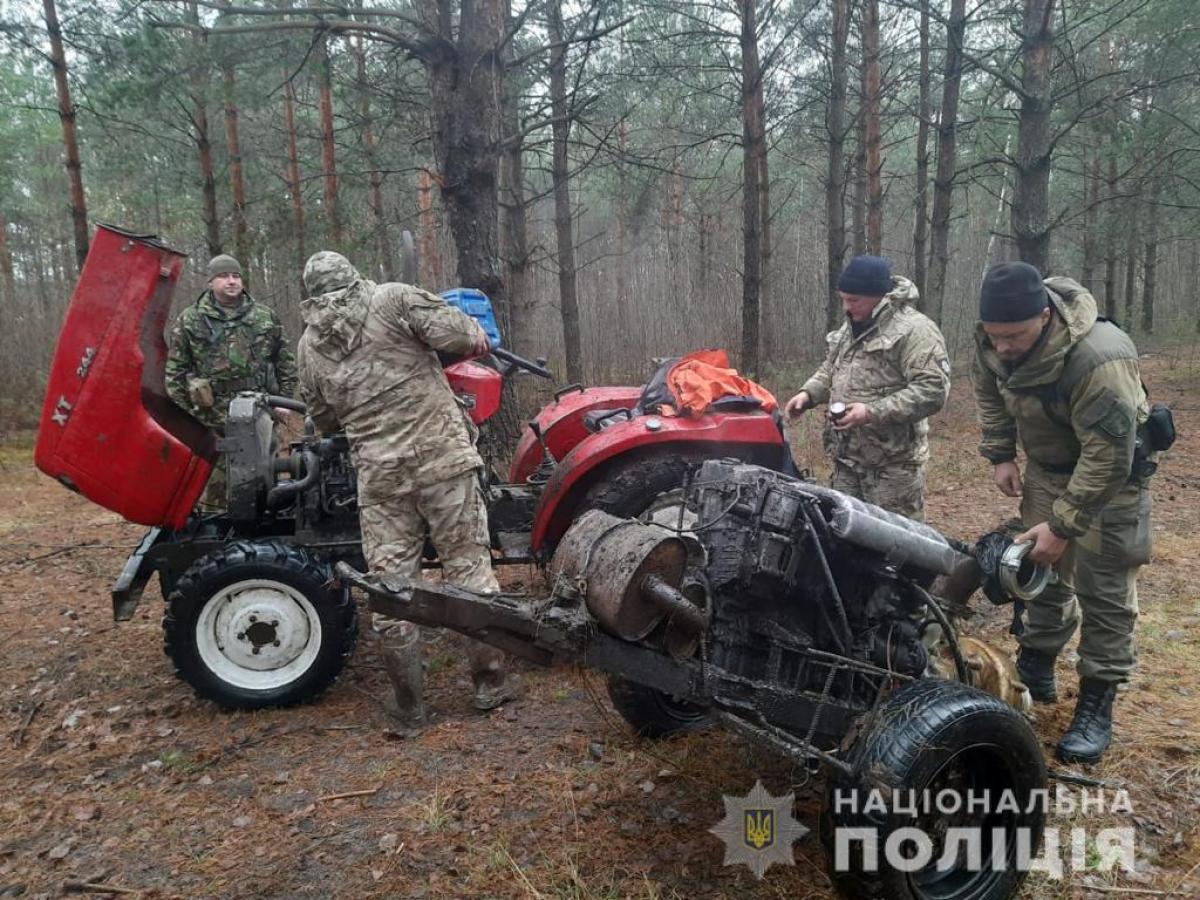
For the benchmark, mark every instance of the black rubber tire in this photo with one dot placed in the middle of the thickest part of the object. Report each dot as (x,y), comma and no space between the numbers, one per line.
(273,561)
(627,488)
(653,714)
(929,730)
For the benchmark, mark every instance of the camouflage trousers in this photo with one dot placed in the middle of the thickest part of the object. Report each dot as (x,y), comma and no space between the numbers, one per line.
(1097,587)
(899,488)
(393,535)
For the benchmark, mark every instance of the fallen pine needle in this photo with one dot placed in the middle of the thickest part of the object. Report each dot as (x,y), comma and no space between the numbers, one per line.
(95,887)
(342,796)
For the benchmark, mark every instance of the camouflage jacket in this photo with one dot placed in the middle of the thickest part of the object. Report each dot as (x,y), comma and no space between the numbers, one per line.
(899,368)
(1074,404)
(369,365)
(238,349)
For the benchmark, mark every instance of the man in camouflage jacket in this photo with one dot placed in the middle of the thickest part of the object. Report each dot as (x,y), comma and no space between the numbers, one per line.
(223,343)
(1052,376)
(369,365)
(888,365)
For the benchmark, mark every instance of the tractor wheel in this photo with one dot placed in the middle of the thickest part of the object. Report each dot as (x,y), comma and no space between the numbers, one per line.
(645,488)
(652,713)
(936,745)
(255,625)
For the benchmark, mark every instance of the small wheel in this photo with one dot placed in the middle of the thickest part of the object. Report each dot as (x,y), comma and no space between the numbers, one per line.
(652,713)
(255,625)
(933,741)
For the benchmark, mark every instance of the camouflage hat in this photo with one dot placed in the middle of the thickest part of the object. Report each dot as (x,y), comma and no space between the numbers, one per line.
(222,265)
(327,271)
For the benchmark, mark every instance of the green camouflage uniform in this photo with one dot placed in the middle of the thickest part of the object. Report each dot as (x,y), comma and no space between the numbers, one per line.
(369,366)
(216,352)
(899,368)
(1074,404)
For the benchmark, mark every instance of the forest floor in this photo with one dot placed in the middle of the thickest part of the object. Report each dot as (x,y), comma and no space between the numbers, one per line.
(113,773)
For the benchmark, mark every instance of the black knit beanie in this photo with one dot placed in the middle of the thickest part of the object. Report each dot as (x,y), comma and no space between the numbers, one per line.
(866,276)
(1011,292)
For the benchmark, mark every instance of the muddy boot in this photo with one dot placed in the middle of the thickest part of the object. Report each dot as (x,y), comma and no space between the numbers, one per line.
(1037,672)
(402,660)
(1091,729)
(493,685)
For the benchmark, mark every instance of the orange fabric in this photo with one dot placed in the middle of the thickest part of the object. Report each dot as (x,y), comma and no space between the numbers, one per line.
(704,376)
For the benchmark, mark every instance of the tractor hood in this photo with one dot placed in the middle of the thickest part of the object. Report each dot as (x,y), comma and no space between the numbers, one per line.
(108,429)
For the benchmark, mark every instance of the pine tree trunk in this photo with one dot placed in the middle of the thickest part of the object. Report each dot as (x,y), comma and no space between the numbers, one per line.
(874,154)
(1131,269)
(752,170)
(924,111)
(293,170)
(1110,238)
(943,179)
(835,124)
(328,146)
(560,174)
(428,256)
(208,181)
(383,245)
(66,116)
(1150,254)
(1031,193)
(233,145)
(1089,224)
(858,213)
(622,224)
(7,279)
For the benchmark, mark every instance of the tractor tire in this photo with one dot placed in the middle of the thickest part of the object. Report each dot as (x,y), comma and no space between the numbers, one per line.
(256,625)
(630,487)
(929,737)
(654,714)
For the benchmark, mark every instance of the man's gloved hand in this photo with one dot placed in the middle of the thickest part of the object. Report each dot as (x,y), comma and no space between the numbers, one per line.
(200,392)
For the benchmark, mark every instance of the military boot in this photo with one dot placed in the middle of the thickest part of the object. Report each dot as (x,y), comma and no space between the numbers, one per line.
(1037,672)
(1091,729)
(493,685)
(402,661)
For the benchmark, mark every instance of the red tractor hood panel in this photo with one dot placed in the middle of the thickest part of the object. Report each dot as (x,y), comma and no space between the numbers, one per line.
(108,429)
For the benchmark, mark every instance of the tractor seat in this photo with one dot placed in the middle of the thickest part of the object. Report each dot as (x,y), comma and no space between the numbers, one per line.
(597,420)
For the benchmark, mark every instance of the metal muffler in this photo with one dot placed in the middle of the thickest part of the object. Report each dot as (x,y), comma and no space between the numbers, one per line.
(630,577)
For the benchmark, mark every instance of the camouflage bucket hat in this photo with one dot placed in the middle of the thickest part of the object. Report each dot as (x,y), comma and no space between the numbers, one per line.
(327,271)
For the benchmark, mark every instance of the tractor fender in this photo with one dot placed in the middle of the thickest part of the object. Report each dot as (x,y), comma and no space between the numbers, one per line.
(561,424)
(753,436)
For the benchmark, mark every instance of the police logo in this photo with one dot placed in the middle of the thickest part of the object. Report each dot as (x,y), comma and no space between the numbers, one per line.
(759,830)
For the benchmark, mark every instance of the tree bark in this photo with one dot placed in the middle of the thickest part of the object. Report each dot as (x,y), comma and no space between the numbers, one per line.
(383,245)
(1150,251)
(429,258)
(560,174)
(924,111)
(233,145)
(874,157)
(858,212)
(293,170)
(1110,237)
(943,179)
(623,223)
(1131,267)
(835,118)
(328,147)
(752,170)
(1089,224)
(7,279)
(1031,194)
(208,181)
(66,116)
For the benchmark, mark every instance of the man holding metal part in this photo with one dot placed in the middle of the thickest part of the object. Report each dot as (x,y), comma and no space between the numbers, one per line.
(885,373)
(1064,383)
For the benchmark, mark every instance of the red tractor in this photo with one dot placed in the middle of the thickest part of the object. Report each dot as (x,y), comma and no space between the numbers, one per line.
(253,618)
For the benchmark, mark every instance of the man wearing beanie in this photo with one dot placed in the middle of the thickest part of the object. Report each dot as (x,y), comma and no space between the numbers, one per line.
(888,370)
(369,365)
(1065,384)
(223,343)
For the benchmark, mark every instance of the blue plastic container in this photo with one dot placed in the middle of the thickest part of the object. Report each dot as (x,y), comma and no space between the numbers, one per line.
(476,305)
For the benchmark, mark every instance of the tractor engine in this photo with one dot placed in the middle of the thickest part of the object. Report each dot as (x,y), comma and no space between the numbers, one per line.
(796,570)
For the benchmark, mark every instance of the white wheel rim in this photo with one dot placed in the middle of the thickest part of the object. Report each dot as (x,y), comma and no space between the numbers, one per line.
(258,635)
